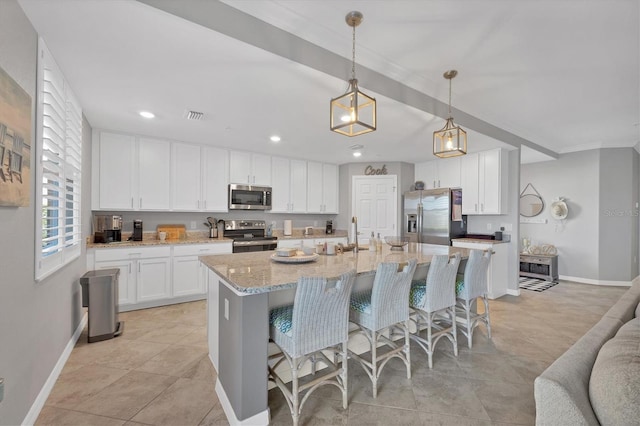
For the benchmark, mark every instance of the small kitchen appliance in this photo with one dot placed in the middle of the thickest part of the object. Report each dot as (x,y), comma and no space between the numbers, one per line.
(137,230)
(308,230)
(288,227)
(329,228)
(107,228)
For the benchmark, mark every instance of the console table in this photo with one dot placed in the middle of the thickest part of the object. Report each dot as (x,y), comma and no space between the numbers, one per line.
(539,266)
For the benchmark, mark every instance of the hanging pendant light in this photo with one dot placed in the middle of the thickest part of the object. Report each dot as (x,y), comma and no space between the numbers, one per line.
(451,140)
(353,113)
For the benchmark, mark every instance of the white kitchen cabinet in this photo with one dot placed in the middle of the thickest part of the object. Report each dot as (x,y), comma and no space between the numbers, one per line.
(199,178)
(188,274)
(322,188)
(114,170)
(126,280)
(144,272)
(133,173)
(154,165)
(186,184)
(289,185)
(484,183)
(498,272)
(215,179)
(249,168)
(441,173)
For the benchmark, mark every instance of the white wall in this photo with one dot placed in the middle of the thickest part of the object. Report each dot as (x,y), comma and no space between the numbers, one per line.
(37,319)
(598,241)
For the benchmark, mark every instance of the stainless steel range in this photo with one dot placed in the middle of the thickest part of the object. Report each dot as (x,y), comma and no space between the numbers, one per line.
(249,235)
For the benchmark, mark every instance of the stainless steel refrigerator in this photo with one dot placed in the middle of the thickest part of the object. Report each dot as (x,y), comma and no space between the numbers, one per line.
(434,216)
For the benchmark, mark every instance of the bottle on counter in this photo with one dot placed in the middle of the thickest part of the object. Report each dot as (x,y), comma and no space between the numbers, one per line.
(379,244)
(372,242)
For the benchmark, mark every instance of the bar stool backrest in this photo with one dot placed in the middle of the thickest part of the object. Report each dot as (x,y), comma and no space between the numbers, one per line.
(475,275)
(390,293)
(441,283)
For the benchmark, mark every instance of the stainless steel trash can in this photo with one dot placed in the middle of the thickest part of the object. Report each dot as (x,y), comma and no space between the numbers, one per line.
(100,295)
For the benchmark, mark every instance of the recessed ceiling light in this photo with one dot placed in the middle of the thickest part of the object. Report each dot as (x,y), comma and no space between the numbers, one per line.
(357,154)
(147,114)
(275,138)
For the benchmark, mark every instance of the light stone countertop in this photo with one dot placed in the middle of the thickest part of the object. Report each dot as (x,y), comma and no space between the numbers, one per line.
(298,234)
(255,272)
(151,239)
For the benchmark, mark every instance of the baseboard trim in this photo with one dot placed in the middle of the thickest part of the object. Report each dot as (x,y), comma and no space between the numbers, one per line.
(599,282)
(261,418)
(513,292)
(38,404)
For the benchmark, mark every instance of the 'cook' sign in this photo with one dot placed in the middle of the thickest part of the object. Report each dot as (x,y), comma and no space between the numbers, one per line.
(369,170)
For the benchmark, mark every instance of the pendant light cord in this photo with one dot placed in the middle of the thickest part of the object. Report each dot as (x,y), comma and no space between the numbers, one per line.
(353,55)
(450,98)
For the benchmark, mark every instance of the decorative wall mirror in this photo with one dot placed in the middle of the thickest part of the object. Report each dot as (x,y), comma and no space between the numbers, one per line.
(531,203)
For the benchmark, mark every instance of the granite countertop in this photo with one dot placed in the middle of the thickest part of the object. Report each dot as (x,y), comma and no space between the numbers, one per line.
(252,273)
(151,239)
(298,234)
(479,241)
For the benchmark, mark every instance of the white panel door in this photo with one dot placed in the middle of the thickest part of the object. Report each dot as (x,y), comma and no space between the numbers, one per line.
(298,189)
(187,277)
(126,280)
(154,279)
(330,188)
(240,167)
(215,179)
(261,167)
(280,186)
(154,164)
(469,184)
(375,204)
(314,187)
(117,155)
(186,179)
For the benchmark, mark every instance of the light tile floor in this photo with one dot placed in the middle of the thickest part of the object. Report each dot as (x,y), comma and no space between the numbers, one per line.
(158,371)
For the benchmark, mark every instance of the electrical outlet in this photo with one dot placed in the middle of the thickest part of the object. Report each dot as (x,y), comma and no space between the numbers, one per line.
(193,225)
(507,226)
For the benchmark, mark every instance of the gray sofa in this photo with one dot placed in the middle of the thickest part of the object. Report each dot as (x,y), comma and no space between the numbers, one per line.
(596,381)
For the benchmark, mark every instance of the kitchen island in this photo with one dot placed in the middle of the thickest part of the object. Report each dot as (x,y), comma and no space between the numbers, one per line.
(241,289)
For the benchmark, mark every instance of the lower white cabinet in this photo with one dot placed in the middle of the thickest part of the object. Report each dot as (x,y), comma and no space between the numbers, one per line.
(498,273)
(189,276)
(156,276)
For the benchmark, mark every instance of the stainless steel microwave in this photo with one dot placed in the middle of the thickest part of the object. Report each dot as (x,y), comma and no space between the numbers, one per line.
(249,197)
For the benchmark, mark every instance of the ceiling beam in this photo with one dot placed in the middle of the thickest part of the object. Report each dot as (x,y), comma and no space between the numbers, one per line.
(239,25)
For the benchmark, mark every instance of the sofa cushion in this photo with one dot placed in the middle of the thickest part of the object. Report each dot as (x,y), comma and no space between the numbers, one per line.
(614,388)
(625,308)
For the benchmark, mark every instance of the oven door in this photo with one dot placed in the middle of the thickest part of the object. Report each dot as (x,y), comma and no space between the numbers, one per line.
(255,245)
(248,197)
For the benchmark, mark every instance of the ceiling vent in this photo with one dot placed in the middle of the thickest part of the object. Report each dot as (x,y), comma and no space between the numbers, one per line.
(194,115)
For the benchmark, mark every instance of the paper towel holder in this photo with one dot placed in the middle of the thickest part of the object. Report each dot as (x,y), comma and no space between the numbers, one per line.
(287,227)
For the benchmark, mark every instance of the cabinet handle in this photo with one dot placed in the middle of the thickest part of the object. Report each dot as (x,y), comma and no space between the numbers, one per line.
(475,208)
(254,179)
(248,179)
(438,183)
(434,183)
(205,204)
(129,268)
(140,202)
(139,267)
(481,207)
(131,202)
(198,205)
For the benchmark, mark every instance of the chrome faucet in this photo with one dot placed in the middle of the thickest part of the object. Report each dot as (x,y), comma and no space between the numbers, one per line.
(354,221)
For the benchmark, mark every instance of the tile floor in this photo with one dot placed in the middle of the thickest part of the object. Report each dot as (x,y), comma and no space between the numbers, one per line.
(158,372)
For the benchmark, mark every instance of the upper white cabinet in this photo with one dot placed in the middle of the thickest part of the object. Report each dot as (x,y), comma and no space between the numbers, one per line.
(289,185)
(322,188)
(199,178)
(249,168)
(484,182)
(133,173)
(113,170)
(215,179)
(441,173)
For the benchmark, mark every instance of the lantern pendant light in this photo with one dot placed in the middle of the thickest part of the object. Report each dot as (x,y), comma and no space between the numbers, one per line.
(353,113)
(451,140)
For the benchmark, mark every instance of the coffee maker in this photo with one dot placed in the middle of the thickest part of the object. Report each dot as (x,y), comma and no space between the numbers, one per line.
(137,230)
(107,228)
(329,228)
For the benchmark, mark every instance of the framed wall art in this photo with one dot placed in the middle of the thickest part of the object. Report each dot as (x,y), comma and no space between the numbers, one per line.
(15,142)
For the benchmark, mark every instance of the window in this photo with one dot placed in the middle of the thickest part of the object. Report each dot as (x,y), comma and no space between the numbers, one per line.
(58,168)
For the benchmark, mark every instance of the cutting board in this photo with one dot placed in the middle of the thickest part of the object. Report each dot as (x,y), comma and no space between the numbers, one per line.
(174,232)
